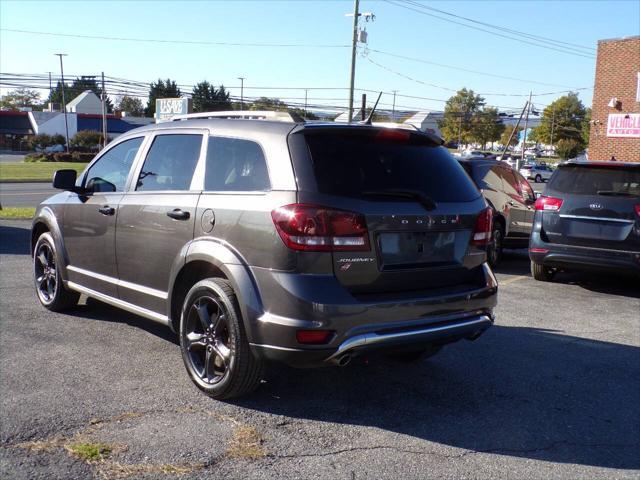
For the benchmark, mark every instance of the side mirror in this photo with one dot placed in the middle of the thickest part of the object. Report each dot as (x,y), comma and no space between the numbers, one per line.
(538,195)
(65,180)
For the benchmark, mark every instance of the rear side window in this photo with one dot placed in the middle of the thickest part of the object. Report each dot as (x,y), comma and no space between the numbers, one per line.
(509,182)
(348,164)
(235,165)
(592,180)
(109,173)
(170,163)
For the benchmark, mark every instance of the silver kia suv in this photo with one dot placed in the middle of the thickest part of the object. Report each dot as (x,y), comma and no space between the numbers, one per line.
(256,237)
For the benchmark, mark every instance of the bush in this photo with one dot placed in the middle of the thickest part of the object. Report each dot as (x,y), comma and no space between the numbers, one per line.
(82,156)
(89,139)
(568,148)
(35,157)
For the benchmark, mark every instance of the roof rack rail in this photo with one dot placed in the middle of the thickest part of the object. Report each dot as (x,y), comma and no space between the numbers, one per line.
(243,114)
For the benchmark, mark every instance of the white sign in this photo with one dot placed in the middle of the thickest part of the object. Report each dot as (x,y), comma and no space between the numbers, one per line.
(623,125)
(168,107)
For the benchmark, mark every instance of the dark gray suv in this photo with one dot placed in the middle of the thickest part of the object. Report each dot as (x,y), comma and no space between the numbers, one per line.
(268,239)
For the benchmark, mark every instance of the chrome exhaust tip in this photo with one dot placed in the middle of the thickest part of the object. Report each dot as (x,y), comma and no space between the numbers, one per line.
(344,360)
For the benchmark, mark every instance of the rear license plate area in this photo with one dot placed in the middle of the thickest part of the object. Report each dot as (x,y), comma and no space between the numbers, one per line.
(416,249)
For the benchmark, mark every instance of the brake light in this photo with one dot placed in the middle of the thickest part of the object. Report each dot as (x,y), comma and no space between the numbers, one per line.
(637,207)
(313,228)
(482,231)
(550,204)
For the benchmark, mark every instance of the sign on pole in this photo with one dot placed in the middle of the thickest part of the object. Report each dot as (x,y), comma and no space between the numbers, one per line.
(623,125)
(168,107)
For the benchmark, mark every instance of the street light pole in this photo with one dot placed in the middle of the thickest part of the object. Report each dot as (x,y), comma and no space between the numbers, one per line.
(524,138)
(64,103)
(354,41)
(393,111)
(241,92)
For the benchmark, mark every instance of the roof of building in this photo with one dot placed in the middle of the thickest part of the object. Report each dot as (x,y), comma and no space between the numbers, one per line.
(15,123)
(80,98)
(620,39)
(87,121)
(43,117)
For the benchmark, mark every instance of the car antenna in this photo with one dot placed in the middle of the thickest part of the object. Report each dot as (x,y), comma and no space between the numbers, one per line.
(370,117)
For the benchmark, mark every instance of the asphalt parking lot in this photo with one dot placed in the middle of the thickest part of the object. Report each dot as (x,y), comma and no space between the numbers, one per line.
(551,391)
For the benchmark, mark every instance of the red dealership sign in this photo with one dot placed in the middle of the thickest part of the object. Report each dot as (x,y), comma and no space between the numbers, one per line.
(623,125)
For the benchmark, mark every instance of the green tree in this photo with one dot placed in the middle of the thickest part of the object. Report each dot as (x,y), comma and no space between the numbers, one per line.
(506,134)
(132,105)
(586,126)
(486,126)
(78,85)
(459,112)
(567,148)
(161,89)
(565,117)
(206,98)
(21,97)
(275,104)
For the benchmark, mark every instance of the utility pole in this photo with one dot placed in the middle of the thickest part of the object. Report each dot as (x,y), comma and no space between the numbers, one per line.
(393,111)
(64,103)
(306,91)
(524,138)
(553,122)
(50,87)
(241,92)
(104,114)
(513,132)
(354,41)
(363,114)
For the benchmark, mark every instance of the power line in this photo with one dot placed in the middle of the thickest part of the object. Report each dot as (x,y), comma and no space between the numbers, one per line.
(566,50)
(443,65)
(179,42)
(480,93)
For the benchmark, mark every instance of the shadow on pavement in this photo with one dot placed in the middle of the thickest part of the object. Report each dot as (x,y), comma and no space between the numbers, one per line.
(524,392)
(14,240)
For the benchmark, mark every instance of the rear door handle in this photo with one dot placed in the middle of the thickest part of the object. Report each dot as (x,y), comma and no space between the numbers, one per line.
(107,210)
(178,214)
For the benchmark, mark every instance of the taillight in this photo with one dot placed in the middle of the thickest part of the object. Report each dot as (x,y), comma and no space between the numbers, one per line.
(319,229)
(482,231)
(550,204)
(637,207)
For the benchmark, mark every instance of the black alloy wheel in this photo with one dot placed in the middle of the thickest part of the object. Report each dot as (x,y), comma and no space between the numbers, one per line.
(207,339)
(494,252)
(213,342)
(51,292)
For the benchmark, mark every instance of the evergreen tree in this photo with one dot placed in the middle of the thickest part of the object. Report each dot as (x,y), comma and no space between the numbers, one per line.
(161,89)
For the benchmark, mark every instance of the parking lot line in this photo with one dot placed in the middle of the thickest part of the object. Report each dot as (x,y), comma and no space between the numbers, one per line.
(511,280)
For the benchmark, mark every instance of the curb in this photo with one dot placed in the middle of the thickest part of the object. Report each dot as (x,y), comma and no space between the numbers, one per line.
(26,180)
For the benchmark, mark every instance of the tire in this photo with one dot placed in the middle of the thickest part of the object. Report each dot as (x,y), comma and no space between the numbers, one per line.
(51,292)
(213,342)
(542,273)
(538,179)
(412,356)
(494,252)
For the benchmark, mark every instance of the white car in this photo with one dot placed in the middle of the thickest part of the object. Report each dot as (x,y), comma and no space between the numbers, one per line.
(538,173)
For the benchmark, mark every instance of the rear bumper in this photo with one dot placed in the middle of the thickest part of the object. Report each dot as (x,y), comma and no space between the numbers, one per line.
(584,258)
(363,325)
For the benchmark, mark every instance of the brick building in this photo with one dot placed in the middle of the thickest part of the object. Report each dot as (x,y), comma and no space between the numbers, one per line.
(615,119)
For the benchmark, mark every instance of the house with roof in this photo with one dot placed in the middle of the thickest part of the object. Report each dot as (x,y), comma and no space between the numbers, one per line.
(86,102)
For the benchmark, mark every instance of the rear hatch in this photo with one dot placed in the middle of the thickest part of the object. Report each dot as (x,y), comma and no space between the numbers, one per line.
(419,206)
(600,206)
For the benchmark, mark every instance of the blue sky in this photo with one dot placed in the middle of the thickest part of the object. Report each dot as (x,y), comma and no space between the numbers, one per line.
(395,30)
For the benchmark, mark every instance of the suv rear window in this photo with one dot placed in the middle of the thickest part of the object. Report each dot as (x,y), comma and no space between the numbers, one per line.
(594,180)
(350,163)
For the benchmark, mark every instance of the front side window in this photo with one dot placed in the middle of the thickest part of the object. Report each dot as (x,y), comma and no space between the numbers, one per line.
(235,165)
(110,172)
(170,163)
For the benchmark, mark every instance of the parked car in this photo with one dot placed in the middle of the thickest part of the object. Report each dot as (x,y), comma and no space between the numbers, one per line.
(588,218)
(51,149)
(511,198)
(537,172)
(264,239)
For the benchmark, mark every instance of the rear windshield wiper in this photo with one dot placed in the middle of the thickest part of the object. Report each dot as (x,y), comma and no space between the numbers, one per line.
(614,193)
(426,201)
